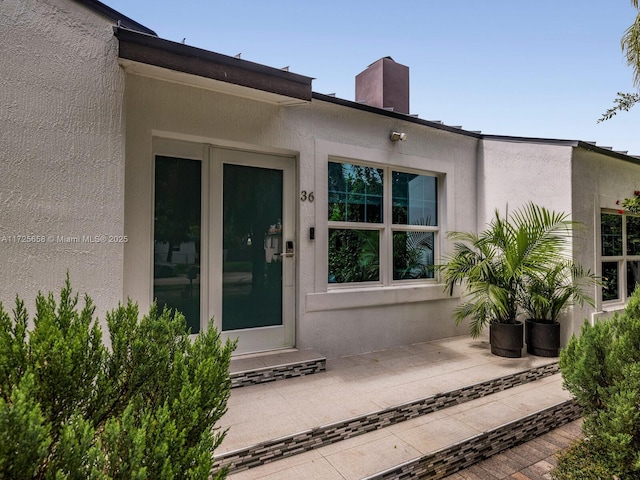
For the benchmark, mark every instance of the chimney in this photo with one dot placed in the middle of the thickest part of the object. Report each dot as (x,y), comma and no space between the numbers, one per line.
(384,84)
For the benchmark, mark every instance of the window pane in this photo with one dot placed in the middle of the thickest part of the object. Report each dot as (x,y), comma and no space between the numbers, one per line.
(611,230)
(412,255)
(633,276)
(176,251)
(354,256)
(610,281)
(633,235)
(414,199)
(355,193)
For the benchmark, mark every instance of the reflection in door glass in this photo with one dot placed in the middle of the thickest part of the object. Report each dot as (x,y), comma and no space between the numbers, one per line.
(176,246)
(252,244)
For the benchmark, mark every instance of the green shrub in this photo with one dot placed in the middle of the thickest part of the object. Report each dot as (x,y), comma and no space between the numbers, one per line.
(601,368)
(582,461)
(145,408)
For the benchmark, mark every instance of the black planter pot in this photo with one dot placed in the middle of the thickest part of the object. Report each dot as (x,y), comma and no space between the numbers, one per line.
(506,339)
(543,339)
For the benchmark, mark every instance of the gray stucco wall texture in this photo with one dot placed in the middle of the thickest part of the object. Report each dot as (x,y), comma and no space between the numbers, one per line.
(61,152)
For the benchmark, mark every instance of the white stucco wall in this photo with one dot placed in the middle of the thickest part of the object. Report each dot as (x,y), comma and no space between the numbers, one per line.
(564,178)
(335,323)
(599,181)
(515,173)
(61,151)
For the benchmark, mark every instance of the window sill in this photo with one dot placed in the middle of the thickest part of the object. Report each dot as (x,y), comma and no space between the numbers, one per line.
(613,307)
(346,298)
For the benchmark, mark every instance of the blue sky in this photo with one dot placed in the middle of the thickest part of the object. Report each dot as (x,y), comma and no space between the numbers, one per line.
(539,69)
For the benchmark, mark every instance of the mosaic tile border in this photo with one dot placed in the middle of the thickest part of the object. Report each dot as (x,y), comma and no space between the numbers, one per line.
(464,454)
(277,372)
(288,446)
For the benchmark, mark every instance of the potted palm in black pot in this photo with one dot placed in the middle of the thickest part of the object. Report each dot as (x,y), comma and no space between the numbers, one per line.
(493,266)
(546,294)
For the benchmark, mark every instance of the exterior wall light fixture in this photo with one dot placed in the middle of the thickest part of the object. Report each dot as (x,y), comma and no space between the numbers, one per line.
(398,136)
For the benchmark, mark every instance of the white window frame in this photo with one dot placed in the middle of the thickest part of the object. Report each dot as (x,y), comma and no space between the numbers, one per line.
(621,260)
(387,227)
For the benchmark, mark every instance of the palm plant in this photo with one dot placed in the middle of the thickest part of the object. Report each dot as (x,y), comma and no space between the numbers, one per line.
(495,263)
(562,284)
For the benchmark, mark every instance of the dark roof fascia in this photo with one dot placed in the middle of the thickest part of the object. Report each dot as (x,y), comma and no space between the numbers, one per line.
(567,143)
(546,141)
(388,113)
(116,16)
(611,153)
(163,53)
(499,138)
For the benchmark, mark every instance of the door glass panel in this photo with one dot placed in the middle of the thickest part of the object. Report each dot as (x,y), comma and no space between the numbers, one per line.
(252,244)
(176,245)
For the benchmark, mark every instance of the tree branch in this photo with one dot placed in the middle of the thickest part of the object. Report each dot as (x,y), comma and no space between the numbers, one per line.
(624,101)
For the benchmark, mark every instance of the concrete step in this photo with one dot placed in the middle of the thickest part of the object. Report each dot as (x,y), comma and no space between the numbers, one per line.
(436,444)
(316,437)
(363,394)
(271,366)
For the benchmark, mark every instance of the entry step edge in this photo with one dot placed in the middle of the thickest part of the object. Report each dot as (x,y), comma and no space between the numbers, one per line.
(273,366)
(461,455)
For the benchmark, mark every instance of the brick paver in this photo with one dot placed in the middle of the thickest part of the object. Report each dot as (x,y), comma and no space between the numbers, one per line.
(533,460)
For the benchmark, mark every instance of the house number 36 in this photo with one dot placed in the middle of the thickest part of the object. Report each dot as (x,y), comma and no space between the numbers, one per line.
(306,196)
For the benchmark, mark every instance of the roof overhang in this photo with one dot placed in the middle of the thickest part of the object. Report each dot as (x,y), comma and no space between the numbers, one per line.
(391,114)
(115,16)
(150,56)
(590,146)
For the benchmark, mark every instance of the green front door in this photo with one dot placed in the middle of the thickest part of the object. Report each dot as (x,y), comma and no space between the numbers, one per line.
(257,250)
